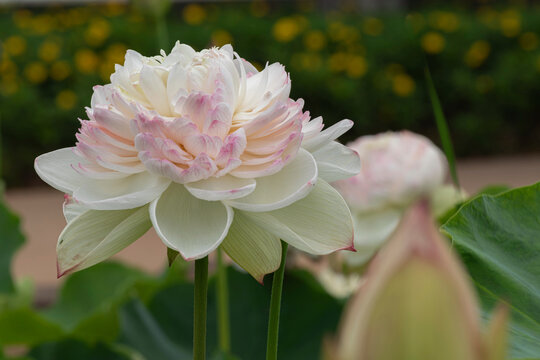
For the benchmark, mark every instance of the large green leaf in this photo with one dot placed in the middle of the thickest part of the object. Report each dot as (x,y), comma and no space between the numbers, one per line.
(70,349)
(308,313)
(11,239)
(498,238)
(89,300)
(24,326)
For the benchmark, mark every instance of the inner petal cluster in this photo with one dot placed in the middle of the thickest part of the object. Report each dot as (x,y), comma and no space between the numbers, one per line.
(191,116)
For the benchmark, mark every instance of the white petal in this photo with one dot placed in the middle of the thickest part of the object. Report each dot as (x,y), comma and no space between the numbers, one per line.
(72,208)
(125,193)
(154,90)
(254,249)
(223,188)
(319,224)
(324,137)
(96,235)
(336,162)
(56,169)
(290,184)
(191,226)
(371,230)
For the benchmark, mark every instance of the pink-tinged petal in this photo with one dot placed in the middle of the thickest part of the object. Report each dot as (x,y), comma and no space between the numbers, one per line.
(328,135)
(112,121)
(96,171)
(72,208)
(223,188)
(202,167)
(220,121)
(233,147)
(252,122)
(117,194)
(56,169)
(290,184)
(202,143)
(191,226)
(180,128)
(152,147)
(312,128)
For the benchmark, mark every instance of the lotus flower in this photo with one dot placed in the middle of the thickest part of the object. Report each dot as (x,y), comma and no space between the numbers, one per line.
(398,168)
(417,303)
(207,150)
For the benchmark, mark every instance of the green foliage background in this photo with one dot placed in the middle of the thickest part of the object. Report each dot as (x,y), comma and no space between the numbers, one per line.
(345,65)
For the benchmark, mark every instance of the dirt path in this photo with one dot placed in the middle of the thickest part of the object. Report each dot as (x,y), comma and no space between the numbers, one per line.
(42,219)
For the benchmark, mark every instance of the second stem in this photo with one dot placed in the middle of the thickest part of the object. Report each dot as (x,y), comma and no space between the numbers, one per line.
(200,305)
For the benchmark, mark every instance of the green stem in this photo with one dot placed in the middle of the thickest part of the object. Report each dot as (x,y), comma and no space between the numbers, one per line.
(275,307)
(222,290)
(200,304)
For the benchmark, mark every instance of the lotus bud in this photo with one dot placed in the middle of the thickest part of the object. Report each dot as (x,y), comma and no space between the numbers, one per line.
(416,303)
(398,168)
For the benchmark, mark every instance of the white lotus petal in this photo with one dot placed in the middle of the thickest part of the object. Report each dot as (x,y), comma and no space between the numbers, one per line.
(154,90)
(126,193)
(290,184)
(324,137)
(72,208)
(223,188)
(191,226)
(371,230)
(254,249)
(96,235)
(336,162)
(56,169)
(319,224)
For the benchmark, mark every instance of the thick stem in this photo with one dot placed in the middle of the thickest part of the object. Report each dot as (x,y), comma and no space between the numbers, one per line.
(200,304)
(275,307)
(222,289)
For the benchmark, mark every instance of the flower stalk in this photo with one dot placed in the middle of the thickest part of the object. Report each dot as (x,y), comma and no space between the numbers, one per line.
(200,305)
(275,307)
(222,289)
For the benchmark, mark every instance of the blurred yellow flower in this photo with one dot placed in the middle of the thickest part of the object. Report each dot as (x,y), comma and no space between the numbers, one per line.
(373,26)
(42,24)
(22,18)
(60,70)
(35,72)
(9,85)
(86,61)
(433,42)
(66,99)
(477,53)
(403,85)
(193,14)
(357,66)
(259,8)
(416,20)
(106,68)
(15,45)
(484,84)
(528,41)
(221,37)
(97,32)
(8,67)
(306,61)
(286,29)
(116,52)
(337,62)
(49,51)
(510,22)
(444,20)
(315,40)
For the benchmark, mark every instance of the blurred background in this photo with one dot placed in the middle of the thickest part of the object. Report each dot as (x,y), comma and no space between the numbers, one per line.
(357,59)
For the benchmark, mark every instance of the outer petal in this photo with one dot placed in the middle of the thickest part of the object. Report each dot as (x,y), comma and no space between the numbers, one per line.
(319,224)
(371,230)
(95,235)
(330,134)
(222,188)
(72,208)
(126,193)
(56,169)
(292,183)
(336,162)
(191,226)
(254,249)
